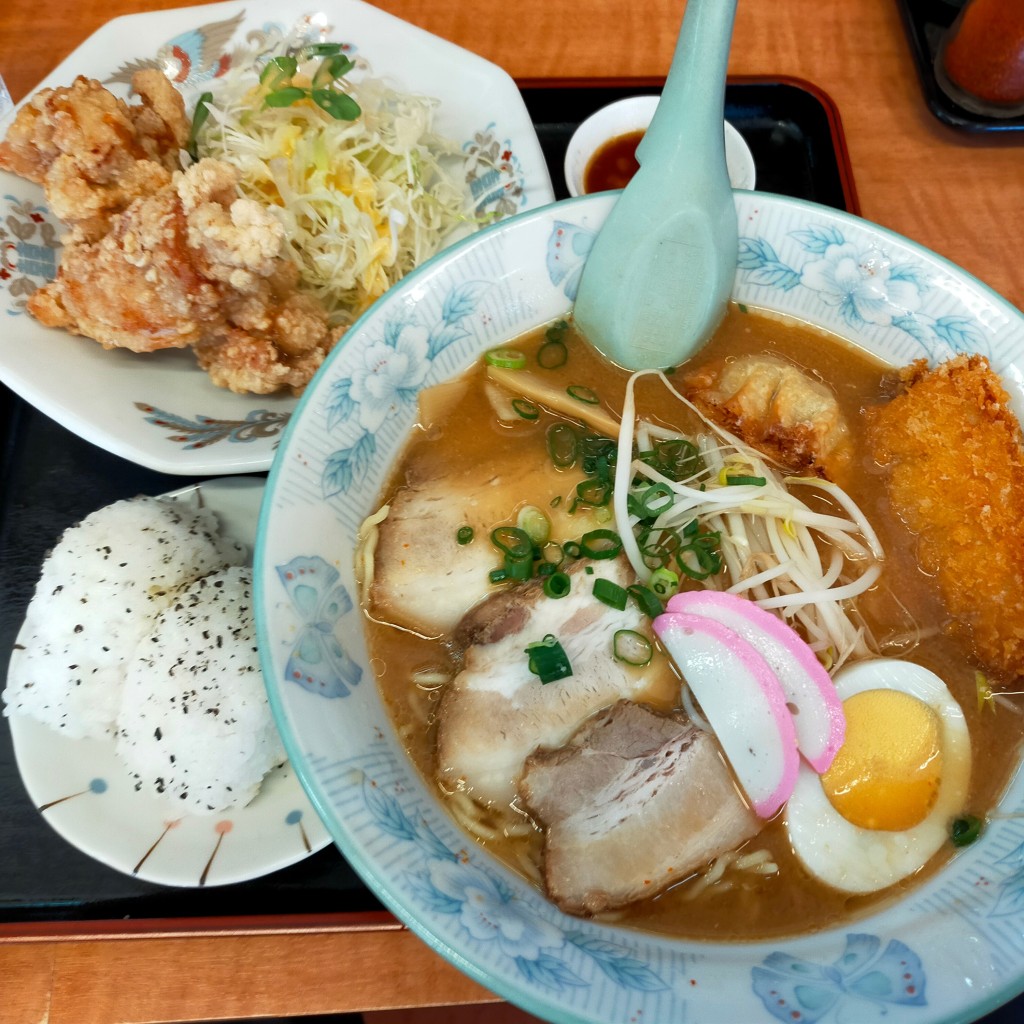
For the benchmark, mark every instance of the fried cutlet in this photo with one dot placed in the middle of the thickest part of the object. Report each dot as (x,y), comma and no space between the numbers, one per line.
(954,455)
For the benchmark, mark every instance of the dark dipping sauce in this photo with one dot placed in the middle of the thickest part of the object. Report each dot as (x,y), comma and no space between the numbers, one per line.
(613,164)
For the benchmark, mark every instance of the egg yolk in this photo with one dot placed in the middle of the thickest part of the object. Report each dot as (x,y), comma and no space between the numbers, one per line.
(886,774)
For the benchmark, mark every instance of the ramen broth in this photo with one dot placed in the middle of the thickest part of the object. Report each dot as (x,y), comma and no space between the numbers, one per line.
(750,906)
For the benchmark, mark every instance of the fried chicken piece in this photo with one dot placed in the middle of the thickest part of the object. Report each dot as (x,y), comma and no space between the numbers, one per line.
(775,407)
(954,455)
(92,152)
(194,265)
(277,341)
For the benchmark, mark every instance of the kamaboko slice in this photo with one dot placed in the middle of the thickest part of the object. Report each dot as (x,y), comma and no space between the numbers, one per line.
(743,702)
(817,712)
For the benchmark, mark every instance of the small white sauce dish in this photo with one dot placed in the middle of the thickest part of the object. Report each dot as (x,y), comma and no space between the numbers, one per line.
(632,114)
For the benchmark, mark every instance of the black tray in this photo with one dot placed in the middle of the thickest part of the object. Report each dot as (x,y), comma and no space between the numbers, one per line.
(925,22)
(49,478)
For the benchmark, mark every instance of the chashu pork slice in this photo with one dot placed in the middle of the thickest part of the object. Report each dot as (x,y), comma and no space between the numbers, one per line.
(496,712)
(635,802)
(423,578)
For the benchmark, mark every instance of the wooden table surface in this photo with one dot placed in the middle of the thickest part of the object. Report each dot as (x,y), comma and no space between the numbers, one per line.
(960,195)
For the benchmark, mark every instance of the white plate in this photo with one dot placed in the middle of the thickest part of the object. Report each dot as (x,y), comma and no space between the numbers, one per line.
(86,794)
(952,950)
(160,410)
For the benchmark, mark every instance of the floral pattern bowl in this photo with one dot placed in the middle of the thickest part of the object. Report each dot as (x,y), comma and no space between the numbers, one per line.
(951,950)
(160,410)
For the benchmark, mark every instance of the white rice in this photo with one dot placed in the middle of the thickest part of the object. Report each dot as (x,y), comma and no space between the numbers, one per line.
(101,590)
(194,724)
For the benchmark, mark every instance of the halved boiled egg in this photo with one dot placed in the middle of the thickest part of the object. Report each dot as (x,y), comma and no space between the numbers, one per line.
(884,807)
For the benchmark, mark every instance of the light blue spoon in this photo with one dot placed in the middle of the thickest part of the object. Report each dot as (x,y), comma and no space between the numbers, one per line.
(658,279)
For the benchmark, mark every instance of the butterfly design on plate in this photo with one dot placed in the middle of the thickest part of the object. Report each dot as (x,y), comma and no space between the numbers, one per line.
(798,990)
(568,248)
(317,662)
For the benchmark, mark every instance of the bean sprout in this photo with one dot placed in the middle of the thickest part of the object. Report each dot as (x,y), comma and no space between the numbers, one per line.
(809,563)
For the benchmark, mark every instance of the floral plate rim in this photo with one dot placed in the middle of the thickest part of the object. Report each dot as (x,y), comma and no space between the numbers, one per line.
(159,410)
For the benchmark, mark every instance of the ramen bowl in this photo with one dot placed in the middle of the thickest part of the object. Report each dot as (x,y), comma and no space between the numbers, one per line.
(951,949)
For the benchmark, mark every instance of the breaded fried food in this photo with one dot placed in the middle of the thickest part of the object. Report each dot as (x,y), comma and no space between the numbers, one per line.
(156,257)
(777,408)
(194,265)
(954,455)
(92,152)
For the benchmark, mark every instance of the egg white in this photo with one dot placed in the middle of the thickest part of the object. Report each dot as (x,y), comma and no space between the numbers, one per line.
(860,860)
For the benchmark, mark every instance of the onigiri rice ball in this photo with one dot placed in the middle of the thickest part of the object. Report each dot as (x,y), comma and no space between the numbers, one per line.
(100,591)
(194,724)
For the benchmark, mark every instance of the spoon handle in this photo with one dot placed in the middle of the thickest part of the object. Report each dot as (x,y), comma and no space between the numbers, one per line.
(694,94)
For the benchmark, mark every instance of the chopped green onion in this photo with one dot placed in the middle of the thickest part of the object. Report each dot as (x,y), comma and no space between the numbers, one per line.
(525,408)
(646,599)
(654,500)
(546,569)
(562,442)
(664,582)
(571,549)
(557,331)
(331,69)
(277,82)
(610,593)
(632,647)
(552,354)
(557,585)
(535,524)
(465,534)
(320,50)
(965,830)
(284,97)
(278,71)
(589,570)
(548,660)
(582,394)
(702,557)
(600,544)
(676,458)
(339,105)
(734,481)
(199,116)
(552,553)
(658,552)
(514,542)
(506,358)
(594,492)
(519,568)
(498,575)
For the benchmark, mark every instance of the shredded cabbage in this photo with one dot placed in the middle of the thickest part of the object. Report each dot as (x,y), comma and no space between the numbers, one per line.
(363,202)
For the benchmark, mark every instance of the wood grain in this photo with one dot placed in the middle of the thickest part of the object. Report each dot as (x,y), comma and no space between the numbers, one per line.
(959,195)
(151,973)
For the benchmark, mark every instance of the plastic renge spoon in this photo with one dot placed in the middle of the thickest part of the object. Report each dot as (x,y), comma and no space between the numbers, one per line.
(658,278)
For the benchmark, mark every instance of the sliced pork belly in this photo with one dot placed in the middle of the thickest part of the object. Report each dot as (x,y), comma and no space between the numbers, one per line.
(775,406)
(496,711)
(635,802)
(424,580)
